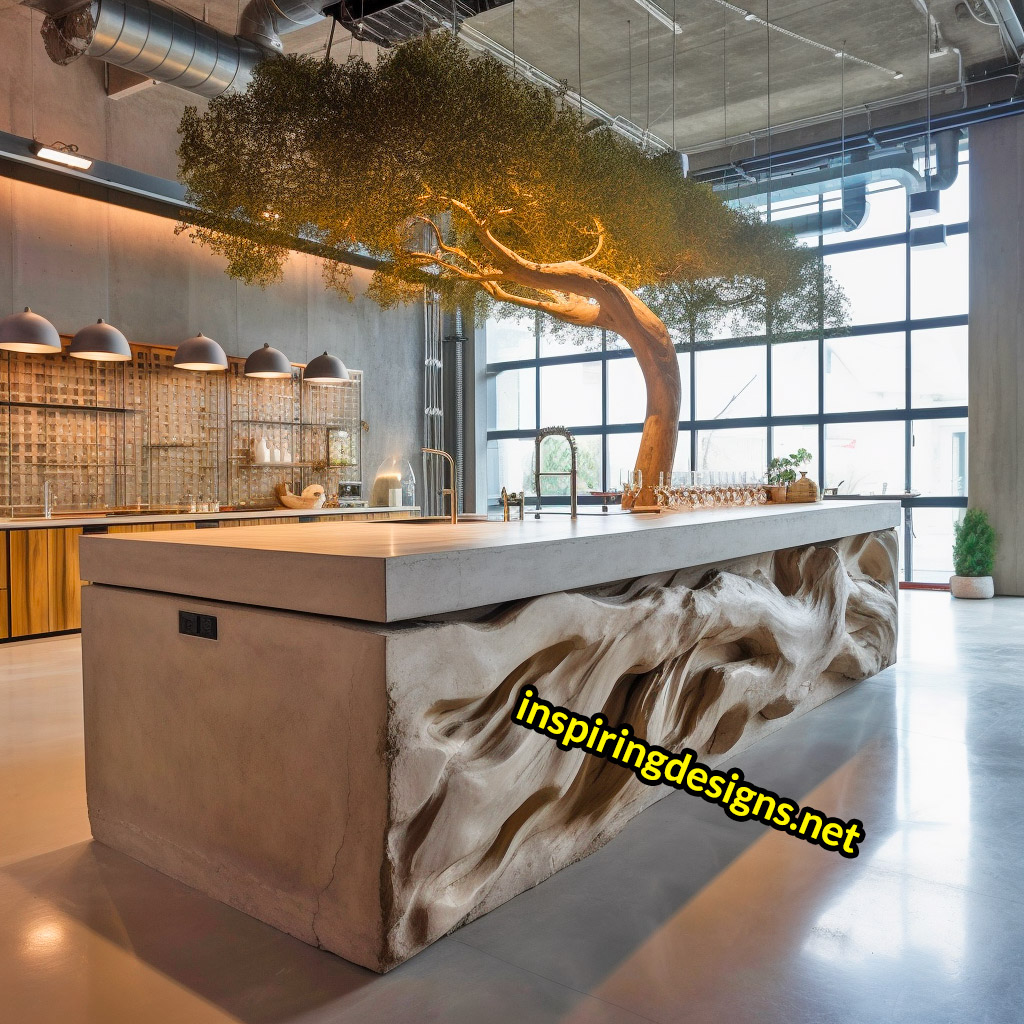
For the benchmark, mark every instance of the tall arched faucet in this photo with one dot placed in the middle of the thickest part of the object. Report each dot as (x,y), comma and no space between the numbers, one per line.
(537,474)
(452,491)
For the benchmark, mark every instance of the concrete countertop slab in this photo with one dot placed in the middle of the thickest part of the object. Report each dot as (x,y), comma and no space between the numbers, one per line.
(390,572)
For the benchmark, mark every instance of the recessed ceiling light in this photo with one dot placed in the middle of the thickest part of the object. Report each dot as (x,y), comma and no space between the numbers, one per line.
(59,153)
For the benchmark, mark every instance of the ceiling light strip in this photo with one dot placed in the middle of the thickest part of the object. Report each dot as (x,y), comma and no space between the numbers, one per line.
(774,27)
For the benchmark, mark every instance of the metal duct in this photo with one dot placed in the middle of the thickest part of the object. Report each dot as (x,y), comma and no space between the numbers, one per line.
(264,21)
(849,217)
(888,165)
(169,46)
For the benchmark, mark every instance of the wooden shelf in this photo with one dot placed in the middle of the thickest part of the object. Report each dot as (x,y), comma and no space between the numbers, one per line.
(61,407)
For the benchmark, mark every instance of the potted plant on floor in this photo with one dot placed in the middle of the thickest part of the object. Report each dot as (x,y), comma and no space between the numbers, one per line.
(974,552)
(782,472)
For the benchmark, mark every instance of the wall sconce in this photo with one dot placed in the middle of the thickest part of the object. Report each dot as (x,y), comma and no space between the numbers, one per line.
(101,343)
(200,353)
(62,153)
(325,369)
(29,332)
(268,362)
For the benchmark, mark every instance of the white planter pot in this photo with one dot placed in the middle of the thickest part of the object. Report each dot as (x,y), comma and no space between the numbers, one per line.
(971,586)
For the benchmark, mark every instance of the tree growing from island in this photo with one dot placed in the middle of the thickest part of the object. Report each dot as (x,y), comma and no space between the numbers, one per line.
(459,175)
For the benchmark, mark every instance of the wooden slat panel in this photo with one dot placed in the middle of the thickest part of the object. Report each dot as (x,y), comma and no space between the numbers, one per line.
(30,605)
(65,584)
(3,613)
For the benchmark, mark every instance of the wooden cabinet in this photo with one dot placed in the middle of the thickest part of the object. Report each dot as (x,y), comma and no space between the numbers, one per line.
(45,588)
(5,621)
(29,589)
(65,604)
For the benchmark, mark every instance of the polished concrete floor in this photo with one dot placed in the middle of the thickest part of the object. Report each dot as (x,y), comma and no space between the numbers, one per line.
(686,916)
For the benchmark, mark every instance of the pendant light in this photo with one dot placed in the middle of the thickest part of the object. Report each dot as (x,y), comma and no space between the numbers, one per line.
(268,362)
(100,342)
(29,332)
(200,353)
(326,369)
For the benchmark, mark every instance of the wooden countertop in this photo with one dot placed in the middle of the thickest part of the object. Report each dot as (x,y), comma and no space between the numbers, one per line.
(390,571)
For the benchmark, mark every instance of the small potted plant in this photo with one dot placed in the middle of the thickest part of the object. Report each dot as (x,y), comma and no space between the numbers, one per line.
(974,552)
(782,472)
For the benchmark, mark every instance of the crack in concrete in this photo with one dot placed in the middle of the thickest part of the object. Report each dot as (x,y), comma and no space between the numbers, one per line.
(319,895)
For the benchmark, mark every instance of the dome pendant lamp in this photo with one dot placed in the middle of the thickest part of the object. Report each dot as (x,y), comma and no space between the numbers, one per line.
(325,369)
(200,353)
(29,332)
(268,362)
(100,342)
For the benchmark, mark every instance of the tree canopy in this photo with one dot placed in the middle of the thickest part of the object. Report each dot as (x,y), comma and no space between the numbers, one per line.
(457,174)
(352,155)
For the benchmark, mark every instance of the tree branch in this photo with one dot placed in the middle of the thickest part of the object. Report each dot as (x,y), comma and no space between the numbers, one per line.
(466,275)
(582,314)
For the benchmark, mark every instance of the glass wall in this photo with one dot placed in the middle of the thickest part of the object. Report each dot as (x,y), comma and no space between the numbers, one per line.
(882,402)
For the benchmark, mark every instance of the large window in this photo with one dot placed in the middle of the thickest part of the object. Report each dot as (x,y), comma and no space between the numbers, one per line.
(882,403)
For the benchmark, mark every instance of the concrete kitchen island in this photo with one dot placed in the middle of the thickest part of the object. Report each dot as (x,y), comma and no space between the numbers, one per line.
(340,760)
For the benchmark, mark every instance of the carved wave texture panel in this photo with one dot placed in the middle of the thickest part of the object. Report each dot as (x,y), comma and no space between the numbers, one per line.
(482,809)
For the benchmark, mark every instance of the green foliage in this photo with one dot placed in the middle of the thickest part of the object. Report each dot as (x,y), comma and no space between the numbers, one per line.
(782,469)
(415,159)
(974,548)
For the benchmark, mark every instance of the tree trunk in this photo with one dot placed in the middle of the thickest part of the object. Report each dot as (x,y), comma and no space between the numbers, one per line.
(652,345)
(580,295)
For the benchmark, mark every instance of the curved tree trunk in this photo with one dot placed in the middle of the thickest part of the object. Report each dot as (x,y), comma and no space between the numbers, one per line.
(652,345)
(578,294)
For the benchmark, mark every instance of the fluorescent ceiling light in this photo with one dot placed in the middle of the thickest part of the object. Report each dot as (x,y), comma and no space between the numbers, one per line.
(68,157)
(659,15)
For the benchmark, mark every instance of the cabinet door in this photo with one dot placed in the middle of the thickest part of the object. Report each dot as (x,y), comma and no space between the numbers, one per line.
(65,584)
(29,591)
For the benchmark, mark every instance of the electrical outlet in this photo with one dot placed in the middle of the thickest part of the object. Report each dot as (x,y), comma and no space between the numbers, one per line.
(195,624)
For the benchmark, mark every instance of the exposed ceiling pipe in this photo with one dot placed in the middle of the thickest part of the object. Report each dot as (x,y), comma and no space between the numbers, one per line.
(264,21)
(169,46)
(850,216)
(896,166)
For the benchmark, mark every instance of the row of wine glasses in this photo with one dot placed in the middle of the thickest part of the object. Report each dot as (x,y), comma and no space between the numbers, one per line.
(696,489)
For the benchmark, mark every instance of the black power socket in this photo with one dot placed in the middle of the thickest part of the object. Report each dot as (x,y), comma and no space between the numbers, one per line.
(196,624)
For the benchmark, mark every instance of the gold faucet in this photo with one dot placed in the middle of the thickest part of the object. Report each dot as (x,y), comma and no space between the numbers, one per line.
(453,491)
(515,498)
(537,474)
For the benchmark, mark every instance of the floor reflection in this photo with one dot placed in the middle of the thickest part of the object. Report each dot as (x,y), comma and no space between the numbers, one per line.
(686,916)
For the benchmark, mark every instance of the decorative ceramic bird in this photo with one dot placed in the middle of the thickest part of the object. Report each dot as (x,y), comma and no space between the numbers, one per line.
(312,497)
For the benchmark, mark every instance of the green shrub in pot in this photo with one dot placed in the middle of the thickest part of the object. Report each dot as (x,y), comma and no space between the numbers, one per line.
(974,551)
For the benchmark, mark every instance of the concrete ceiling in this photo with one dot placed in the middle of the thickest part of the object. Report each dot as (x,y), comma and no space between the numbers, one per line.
(723,63)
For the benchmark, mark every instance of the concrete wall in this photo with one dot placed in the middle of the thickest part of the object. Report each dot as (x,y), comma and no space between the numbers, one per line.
(69,104)
(74,259)
(996,340)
